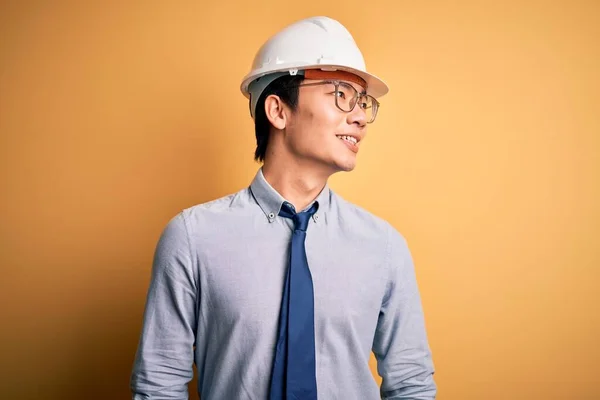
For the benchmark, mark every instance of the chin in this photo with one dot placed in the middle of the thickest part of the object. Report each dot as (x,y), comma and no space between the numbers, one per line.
(338,164)
(346,165)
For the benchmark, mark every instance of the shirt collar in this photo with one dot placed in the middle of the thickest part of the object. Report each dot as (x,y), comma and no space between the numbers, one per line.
(270,201)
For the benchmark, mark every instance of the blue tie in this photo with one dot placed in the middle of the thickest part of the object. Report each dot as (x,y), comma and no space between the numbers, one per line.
(294,376)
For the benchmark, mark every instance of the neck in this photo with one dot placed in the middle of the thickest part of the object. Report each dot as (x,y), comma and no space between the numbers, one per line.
(299,186)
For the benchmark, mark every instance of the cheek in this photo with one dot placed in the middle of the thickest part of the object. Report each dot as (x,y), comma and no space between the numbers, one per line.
(308,128)
(316,127)
(323,130)
(325,122)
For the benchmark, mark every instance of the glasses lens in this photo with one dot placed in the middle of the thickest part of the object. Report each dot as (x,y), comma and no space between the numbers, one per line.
(347,97)
(370,106)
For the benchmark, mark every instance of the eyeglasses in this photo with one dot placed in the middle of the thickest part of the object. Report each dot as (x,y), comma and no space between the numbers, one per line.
(347,97)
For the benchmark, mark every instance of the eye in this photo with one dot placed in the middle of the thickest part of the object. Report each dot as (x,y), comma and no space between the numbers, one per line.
(346,91)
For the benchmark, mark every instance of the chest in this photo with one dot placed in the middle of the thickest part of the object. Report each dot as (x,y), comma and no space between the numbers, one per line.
(243,277)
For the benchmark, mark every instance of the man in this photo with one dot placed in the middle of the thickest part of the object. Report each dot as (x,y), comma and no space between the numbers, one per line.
(283,289)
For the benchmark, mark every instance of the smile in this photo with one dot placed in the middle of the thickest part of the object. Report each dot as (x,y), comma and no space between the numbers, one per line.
(348,139)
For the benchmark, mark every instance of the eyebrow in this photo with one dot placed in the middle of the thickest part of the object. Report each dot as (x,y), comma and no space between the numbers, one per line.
(361,91)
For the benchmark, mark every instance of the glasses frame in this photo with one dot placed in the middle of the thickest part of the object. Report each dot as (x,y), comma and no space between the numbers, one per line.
(358,95)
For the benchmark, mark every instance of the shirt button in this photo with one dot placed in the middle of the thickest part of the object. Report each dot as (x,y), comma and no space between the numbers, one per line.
(316,217)
(271,216)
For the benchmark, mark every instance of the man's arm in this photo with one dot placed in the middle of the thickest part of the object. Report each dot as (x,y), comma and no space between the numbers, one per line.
(400,346)
(164,358)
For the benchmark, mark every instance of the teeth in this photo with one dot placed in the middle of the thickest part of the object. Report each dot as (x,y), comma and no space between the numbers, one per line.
(348,139)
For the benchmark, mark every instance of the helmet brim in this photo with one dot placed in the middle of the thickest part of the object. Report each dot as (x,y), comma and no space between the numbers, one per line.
(376,87)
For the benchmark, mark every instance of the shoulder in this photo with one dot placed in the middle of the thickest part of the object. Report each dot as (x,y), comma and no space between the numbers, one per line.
(368,227)
(229,206)
(358,218)
(201,217)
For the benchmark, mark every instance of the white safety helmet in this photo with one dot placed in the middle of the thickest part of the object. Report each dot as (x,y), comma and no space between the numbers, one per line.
(312,43)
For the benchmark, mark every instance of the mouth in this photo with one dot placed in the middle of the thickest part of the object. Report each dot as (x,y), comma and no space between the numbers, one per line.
(350,141)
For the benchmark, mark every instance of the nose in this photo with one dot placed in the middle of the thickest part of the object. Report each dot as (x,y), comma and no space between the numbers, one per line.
(357,116)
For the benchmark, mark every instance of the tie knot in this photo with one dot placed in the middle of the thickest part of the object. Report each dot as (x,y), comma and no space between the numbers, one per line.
(300,219)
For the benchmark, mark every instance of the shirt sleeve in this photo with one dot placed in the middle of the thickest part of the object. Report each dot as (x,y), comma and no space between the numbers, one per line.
(164,359)
(400,345)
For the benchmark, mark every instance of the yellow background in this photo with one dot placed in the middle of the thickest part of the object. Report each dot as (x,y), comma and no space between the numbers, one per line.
(485,156)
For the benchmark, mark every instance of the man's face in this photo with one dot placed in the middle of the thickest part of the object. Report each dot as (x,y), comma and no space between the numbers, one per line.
(319,132)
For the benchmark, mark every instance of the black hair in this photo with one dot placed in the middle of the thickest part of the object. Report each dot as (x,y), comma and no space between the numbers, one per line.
(286,88)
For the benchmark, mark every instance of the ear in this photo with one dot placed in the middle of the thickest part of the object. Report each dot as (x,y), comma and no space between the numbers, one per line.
(275,110)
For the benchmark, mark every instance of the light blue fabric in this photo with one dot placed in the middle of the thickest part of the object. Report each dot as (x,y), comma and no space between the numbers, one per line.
(216,290)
